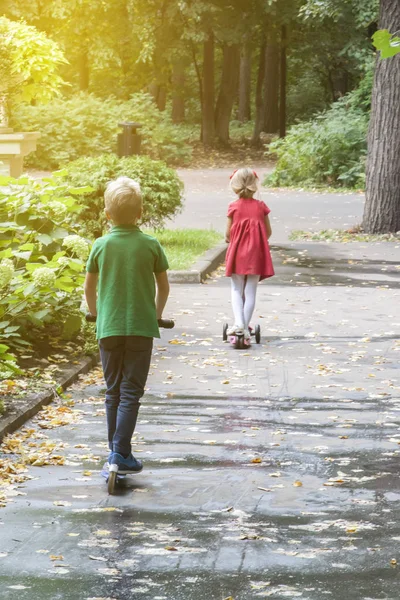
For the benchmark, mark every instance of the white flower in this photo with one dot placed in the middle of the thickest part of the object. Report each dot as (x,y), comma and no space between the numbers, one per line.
(44,277)
(58,209)
(6,272)
(63,261)
(77,245)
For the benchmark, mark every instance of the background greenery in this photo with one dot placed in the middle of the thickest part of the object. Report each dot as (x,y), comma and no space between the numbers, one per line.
(147,61)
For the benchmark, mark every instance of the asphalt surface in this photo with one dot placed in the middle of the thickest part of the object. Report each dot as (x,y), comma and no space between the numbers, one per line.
(207,195)
(269,473)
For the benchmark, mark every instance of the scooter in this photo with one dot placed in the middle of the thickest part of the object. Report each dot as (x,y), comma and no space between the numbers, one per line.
(238,341)
(111,474)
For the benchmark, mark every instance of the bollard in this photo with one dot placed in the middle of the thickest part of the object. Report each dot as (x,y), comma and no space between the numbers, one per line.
(129,141)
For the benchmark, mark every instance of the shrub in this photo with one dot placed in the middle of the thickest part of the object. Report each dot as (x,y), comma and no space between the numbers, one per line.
(329,150)
(84,125)
(41,267)
(161,188)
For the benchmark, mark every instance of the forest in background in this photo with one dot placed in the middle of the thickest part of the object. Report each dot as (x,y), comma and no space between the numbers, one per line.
(212,63)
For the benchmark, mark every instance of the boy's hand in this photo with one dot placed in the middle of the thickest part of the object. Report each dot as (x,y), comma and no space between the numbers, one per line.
(91,292)
(162,292)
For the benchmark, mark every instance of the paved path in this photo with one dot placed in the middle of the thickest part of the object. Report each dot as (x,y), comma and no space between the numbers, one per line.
(207,196)
(270,473)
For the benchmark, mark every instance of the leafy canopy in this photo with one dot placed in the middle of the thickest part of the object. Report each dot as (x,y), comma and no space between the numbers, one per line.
(29,61)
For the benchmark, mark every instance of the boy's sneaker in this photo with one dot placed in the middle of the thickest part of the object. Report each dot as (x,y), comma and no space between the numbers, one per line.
(126,465)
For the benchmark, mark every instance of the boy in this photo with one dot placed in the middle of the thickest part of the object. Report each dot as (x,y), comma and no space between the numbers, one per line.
(121,269)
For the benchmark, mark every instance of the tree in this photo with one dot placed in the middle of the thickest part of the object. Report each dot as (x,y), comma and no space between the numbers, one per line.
(29,64)
(382,205)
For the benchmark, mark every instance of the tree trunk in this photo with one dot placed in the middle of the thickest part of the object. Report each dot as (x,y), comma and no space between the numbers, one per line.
(178,99)
(159,93)
(83,70)
(382,206)
(208,128)
(244,112)
(162,97)
(282,91)
(227,91)
(259,120)
(271,84)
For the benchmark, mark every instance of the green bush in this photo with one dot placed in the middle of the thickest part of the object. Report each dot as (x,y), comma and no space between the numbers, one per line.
(84,125)
(41,264)
(161,188)
(328,150)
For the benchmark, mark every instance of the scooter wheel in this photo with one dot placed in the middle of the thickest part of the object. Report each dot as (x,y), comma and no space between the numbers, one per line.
(239,342)
(257,333)
(112,480)
(225,332)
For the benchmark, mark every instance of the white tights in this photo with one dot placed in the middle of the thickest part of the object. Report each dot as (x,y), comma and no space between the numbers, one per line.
(244,290)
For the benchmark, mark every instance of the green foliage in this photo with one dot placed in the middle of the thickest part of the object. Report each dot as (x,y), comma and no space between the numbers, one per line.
(161,188)
(329,150)
(84,125)
(29,63)
(184,246)
(41,264)
(388,44)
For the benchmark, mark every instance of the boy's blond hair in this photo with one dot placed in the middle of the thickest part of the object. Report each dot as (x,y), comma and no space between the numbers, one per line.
(123,200)
(244,183)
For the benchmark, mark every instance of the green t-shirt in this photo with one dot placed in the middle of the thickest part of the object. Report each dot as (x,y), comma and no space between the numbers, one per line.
(126,260)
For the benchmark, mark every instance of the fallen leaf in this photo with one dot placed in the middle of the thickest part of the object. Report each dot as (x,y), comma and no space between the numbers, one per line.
(298,484)
(256,460)
(56,557)
(171,548)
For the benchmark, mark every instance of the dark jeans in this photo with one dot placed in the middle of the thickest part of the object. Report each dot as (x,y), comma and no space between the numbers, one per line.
(126,363)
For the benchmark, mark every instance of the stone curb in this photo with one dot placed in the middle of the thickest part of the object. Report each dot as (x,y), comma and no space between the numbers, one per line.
(35,403)
(206,264)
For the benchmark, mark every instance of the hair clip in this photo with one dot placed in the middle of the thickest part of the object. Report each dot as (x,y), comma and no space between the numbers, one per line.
(233,173)
(255,174)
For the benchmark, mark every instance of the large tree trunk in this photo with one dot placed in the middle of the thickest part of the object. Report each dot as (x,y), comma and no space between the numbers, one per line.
(227,92)
(271,84)
(244,112)
(259,120)
(208,128)
(382,206)
(178,98)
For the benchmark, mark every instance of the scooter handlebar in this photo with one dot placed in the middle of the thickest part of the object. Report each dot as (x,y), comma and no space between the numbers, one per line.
(164,323)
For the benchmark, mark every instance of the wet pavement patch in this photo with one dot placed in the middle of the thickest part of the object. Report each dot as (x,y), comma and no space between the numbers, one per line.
(252,499)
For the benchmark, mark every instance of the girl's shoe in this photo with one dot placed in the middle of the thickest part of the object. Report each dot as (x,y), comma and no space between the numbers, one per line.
(247,335)
(235,330)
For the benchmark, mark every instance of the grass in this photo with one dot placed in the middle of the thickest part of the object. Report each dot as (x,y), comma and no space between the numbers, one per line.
(342,236)
(184,246)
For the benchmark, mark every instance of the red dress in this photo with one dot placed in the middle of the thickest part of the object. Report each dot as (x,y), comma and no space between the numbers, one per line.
(248,252)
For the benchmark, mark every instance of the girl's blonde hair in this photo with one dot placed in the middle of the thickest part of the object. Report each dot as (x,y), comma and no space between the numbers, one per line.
(244,182)
(123,200)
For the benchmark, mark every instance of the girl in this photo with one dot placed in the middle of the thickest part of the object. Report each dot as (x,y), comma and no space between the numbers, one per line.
(248,259)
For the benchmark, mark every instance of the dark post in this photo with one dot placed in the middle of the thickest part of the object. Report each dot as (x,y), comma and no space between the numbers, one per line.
(282,108)
(129,141)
